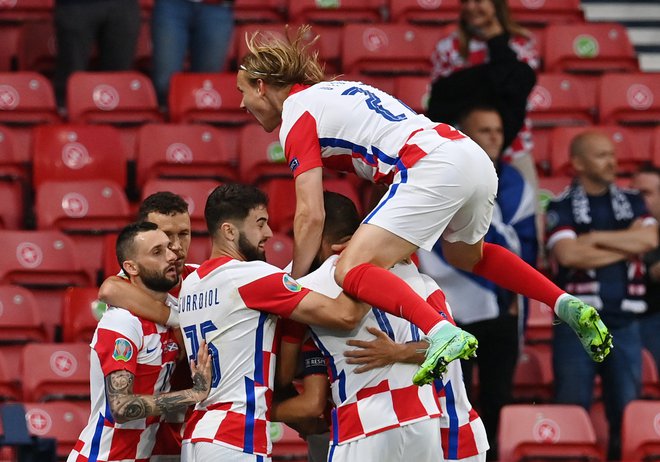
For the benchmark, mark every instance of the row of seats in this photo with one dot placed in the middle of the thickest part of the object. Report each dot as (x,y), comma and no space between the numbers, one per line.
(531,12)
(378,48)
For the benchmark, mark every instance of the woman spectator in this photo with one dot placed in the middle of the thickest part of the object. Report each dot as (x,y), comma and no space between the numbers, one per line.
(489,59)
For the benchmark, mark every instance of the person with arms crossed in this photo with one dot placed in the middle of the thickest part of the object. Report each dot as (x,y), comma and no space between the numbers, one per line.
(132,360)
(596,234)
(232,301)
(442,185)
(378,415)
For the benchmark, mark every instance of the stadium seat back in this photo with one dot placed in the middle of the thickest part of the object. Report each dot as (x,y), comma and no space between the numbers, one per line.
(432,12)
(539,13)
(630,98)
(337,12)
(62,420)
(562,99)
(20,316)
(26,98)
(81,313)
(640,431)
(261,155)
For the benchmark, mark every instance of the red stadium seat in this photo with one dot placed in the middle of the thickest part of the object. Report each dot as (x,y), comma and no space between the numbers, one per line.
(111,97)
(10,385)
(389,49)
(57,371)
(630,98)
(346,11)
(110,264)
(12,206)
(261,155)
(78,152)
(20,318)
(281,194)
(590,47)
(413,91)
(8,46)
(194,192)
(86,210)
(640,435)
(81,312)
(259,11)
(655,146)
(430,12)
(650,380)
(279,250)
(562,99)
(541,317)
(382,82)
(287,444)
(630,152)
(183,151)
(11,167)
(26,10)
(547,431)
(61,420)
(542,12)
(533,377)
(346,187)
(206,97)
(37,48)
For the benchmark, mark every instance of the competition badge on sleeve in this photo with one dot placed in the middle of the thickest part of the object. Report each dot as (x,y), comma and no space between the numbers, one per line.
(291,284)
(123,350)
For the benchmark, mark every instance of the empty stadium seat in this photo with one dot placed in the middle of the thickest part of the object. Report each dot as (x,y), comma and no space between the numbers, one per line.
(194,192)
(37,48)
(542,12)
(279,250)
(346,11)
(20,317)
(589,47)
(562,99)
(629,98)
(432,12)
(539,321)
(63,421)
(414,91)
(81,312)
(630,152)
(533,377)
(8,46)
(57,371)
(183,151)
(546,431)
(78,152)
(259,11)
(26,10)
(12,206)
(110,263)
(206,97)
(390,49)
(261,155)
(86,210)
(281,194)
(640,435)
(10,385)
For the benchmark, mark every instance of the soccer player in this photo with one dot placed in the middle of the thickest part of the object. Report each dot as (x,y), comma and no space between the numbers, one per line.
(442,184)
(233,301)
(370,385)
(132,360)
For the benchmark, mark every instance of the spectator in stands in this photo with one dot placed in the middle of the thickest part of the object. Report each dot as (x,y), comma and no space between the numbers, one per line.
(596,233)
(200,29)
(488,59)
(491,313)
(647,181)
(110,25)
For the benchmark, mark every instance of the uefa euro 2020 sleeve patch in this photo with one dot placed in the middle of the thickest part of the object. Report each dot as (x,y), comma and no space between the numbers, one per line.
(123,350)
(291,284)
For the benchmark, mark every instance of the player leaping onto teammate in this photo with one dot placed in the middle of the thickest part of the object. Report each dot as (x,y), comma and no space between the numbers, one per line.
(442,185)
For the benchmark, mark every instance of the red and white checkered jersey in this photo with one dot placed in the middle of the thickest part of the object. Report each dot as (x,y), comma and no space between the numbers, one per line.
(148,350)
(462,430)
(447,59)
(234,306)
(353,127)
(377,400)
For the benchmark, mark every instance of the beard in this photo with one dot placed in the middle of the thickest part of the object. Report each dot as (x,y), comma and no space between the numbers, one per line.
(249,251)
(158,282)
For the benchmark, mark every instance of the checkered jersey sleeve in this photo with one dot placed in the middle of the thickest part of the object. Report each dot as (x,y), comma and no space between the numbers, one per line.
(275,293)
(118,340)
(299,137)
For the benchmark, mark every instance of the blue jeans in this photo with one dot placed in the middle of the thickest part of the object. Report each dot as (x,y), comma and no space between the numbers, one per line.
(621,373)
(182,26)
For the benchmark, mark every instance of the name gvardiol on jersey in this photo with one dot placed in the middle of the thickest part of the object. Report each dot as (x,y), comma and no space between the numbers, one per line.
(199,300)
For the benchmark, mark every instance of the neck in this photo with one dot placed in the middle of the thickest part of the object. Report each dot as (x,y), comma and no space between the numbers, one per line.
(160,296)
(223,250)
(594,188)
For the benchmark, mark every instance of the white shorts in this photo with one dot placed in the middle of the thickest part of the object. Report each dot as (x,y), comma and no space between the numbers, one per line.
(206,452)
(450,192)
(417,442)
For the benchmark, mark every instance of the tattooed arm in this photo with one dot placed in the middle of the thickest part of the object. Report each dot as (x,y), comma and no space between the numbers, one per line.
(126,406)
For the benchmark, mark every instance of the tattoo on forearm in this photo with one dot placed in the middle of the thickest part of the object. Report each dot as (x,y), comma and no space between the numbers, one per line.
(119,382)
(174,401)
(135,408)
(199,382)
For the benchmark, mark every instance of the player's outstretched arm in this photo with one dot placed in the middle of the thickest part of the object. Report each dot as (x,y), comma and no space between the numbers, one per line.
(343,312)
(119,292)
(308,221)
(383,351)
(126,406)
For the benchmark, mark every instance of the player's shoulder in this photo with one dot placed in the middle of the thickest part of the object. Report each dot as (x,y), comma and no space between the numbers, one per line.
(116,318)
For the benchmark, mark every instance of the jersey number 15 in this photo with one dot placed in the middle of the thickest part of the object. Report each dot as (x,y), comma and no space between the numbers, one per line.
(191,334)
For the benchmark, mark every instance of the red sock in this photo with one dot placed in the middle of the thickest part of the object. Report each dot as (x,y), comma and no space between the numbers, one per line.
(509,271)
(382,289)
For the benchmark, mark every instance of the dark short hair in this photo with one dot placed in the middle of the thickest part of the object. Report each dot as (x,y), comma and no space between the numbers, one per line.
(467,112)
(341,217)
(648,167)
(231,201)
(125,247)
(163,202)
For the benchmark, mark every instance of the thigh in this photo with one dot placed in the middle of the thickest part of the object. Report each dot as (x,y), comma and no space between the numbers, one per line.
(211,37)
(118,39)
(170,22)
(450,192)
(204,452)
